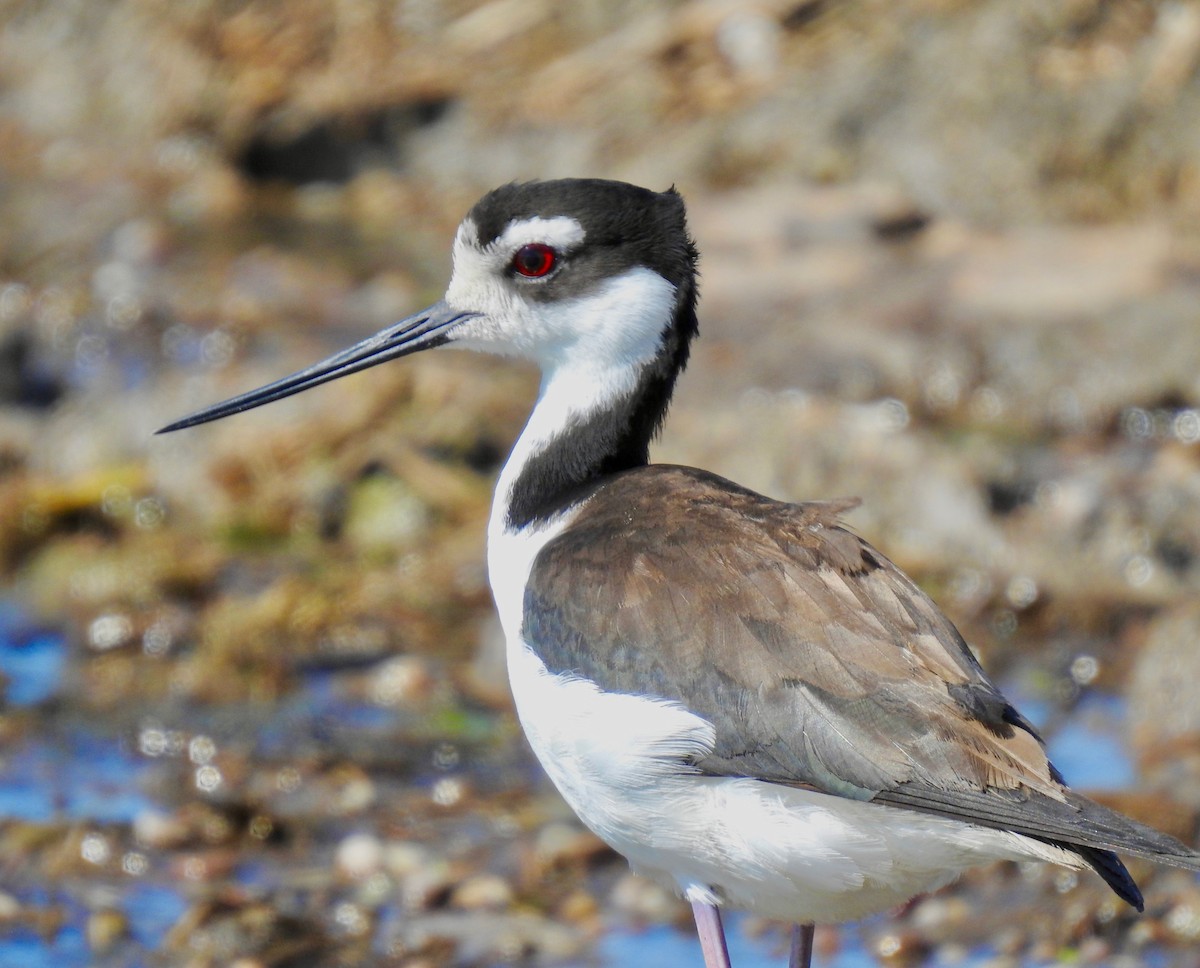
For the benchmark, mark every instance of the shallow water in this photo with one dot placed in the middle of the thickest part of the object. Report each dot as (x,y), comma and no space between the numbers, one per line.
(75,775)
(32,659)
(65,769)
(664,947)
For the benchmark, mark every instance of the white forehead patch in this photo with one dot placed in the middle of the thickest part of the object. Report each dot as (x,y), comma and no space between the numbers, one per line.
(561,232)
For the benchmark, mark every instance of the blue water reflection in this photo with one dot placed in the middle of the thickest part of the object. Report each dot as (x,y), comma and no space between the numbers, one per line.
(665,947)
(151,909)
(60,766)
(1090,747)
(28,949)
(73,775)
(32,658)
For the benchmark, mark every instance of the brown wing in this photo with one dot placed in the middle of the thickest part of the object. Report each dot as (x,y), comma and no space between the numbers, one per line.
(777,624)
(816,659)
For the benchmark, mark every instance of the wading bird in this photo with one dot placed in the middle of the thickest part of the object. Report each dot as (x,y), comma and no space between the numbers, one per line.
(746,700)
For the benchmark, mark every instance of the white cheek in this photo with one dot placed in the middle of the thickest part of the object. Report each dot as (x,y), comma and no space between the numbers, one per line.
(619,324)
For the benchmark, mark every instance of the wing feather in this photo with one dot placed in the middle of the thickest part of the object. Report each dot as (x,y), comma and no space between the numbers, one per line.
(818,662)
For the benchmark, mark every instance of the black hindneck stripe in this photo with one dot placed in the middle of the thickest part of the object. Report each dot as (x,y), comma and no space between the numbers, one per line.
(566,467)
(613,439)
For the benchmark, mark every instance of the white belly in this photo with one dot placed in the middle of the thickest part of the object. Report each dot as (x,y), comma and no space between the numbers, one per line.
(777,851)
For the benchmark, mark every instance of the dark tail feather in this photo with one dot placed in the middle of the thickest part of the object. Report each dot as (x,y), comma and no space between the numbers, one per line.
(1130,837)
(1080,825)
(1108,865)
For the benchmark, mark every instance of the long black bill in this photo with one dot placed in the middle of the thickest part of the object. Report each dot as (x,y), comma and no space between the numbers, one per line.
(421,331)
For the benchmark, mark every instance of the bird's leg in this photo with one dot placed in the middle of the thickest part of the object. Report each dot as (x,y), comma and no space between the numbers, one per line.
(712,934)
(802,945)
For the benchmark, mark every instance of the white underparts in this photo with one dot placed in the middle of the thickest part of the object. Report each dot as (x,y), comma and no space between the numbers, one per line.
(782,852)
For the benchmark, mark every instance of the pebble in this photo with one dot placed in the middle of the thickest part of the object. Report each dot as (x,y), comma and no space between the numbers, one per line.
(160,830)
(402,857)
(938,913)
(105,929)
(1095,951)
(643,899)
(566,843)
(404,680)
(359,856)
(1183,920)
(903,946)
(355,793)
(205,866)
(1162,711)
(579,907)
(427,886)
(482,892)
(10,907)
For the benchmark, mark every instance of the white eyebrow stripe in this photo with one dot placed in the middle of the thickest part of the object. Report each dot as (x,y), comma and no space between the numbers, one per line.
(561,232)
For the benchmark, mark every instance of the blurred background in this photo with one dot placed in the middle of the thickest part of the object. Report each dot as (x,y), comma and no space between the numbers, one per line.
(254,708)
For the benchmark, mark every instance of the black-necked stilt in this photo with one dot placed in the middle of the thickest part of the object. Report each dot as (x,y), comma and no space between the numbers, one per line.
(746,700)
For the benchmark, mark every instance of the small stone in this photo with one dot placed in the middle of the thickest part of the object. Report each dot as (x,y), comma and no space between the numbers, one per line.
(359,856)
(940,912)
(644,899)
(579,907)
(1183,920)
(900,946)
(105,929)
(561,843)
(1009,941)
(356,792)
(403,857)
(1095,951)
(384,515)
(204,866)
(401,681)
(483,892)
(427,886)
(10,907)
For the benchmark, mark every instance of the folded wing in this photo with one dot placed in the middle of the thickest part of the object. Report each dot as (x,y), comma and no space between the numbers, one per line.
(818,662)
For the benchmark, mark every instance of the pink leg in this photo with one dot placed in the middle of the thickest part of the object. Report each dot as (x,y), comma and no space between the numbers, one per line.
(712,935)
(802,945)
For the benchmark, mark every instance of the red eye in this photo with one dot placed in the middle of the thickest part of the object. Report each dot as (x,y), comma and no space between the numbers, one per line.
(535,260)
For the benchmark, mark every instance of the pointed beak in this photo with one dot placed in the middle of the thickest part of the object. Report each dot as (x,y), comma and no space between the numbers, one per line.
(422,331)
